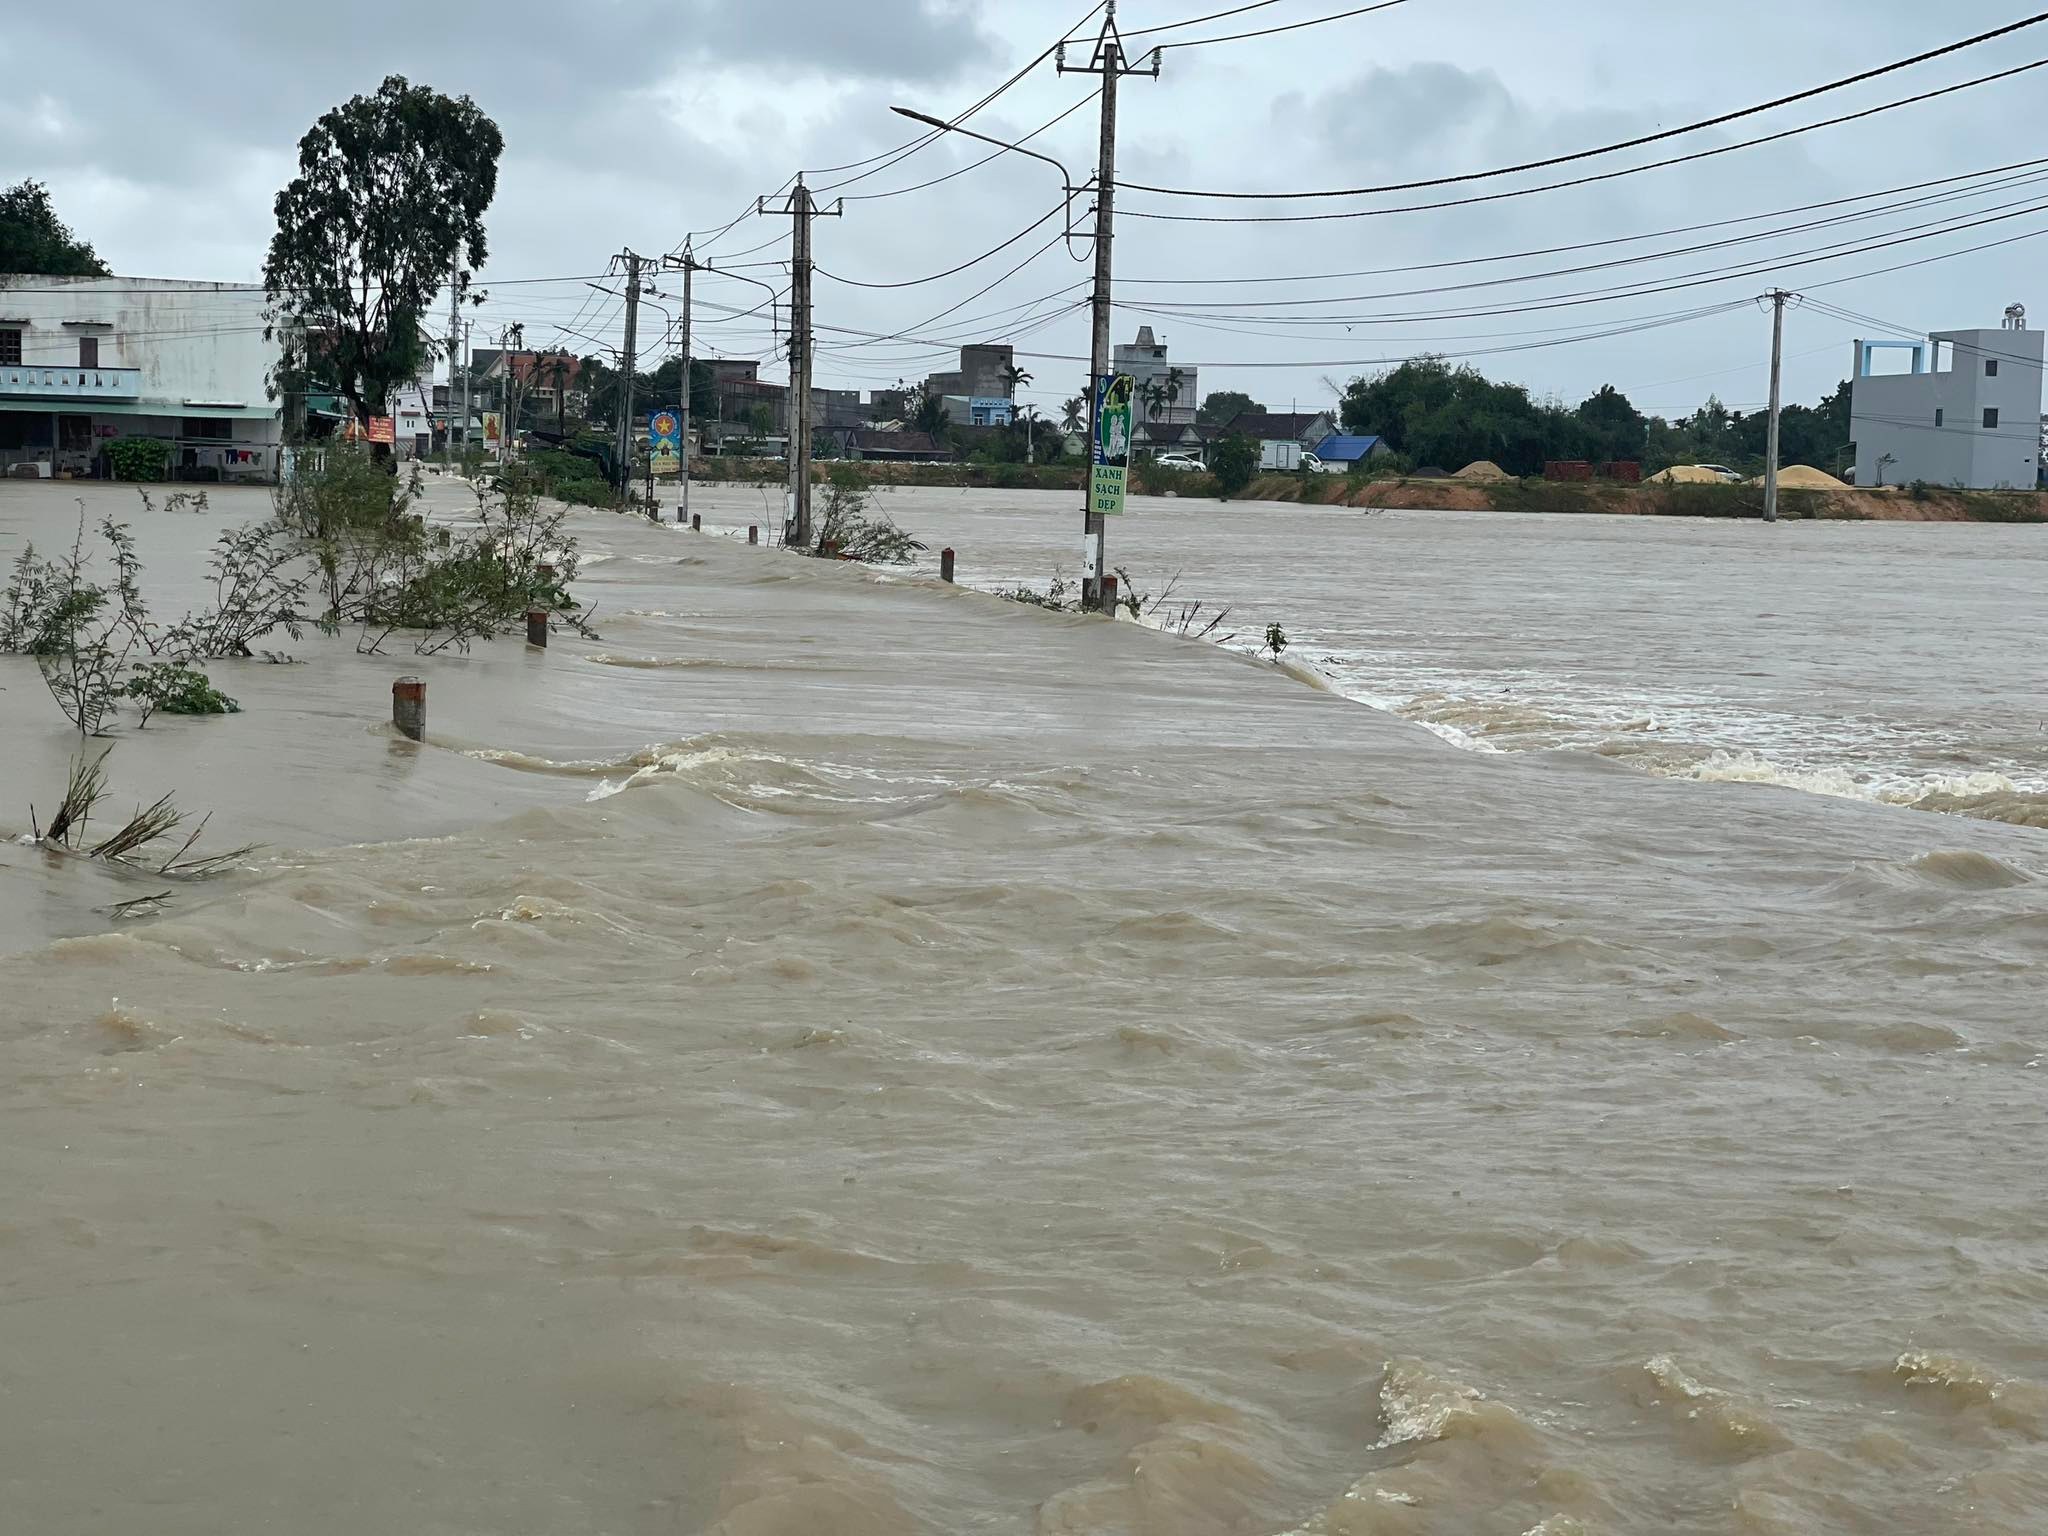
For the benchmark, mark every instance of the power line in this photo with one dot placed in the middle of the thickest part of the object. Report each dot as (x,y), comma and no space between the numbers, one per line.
(1317,21)
(1196,21)
(869,197)
(1608,149)
(1262,280)
(917,282)
(2025,205)
(1579,181)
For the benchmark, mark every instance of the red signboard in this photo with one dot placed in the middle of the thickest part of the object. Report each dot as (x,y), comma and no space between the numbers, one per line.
(382,430)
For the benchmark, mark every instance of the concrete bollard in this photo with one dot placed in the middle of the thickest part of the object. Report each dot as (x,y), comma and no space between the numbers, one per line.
(753,533)
(441,537)
(696,522)
(537,627)
(409,707)
(945,565)
(1109,597)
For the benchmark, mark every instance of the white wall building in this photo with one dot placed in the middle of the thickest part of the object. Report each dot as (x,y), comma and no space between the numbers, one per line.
(1967,414)
(85,360)
(1145,360)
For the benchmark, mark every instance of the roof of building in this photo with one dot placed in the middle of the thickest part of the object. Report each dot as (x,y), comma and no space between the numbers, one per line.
(1345,447)
(1268,425)
(896,442)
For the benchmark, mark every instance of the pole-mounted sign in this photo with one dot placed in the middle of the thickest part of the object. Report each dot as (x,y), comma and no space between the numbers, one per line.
(1113,393)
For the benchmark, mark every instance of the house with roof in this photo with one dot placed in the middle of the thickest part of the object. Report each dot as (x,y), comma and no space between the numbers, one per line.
(1348,451)
(897,447)
(1305,430)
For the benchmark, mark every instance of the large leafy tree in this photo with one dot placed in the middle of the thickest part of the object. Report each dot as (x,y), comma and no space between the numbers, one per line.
(1224,406)
(35,242)
(391,190)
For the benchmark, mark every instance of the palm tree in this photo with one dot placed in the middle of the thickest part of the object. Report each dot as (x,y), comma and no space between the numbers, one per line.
(1155,399)
(1074,415)
(1013,376)
(1174,379)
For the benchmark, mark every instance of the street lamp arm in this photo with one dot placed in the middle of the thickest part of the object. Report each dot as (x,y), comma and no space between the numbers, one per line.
(1017,149)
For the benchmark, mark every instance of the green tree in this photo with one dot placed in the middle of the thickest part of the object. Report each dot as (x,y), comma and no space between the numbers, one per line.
(929,413)
(1224,406)
(1013,378)
(1074,415)
(1233,462)
(1154,396)
(1175,382)
(35,242)
(391,190)
(1613,428)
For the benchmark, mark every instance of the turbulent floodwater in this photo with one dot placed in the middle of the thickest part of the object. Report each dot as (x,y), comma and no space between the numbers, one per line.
(845,1055)
(1897,662)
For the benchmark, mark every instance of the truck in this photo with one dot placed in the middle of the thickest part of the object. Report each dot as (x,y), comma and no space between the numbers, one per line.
(1281,453)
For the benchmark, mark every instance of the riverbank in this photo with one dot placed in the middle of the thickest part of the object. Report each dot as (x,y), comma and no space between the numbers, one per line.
(1903,504)
(844,1053)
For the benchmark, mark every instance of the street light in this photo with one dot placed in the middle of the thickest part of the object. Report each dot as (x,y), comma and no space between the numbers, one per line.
(943,126)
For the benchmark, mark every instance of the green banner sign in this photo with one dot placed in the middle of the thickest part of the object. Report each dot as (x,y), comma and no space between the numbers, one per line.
(1113,396)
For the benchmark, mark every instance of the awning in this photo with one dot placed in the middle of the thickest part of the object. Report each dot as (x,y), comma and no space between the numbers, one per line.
(48,407)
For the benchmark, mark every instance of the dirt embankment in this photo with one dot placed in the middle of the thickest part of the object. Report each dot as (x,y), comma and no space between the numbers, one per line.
(1900,505)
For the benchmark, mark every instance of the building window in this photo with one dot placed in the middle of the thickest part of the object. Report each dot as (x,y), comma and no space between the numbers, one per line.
(1938,414)
(1991,368)
(1990,418)
(209,428)
(88,351)
(10,347)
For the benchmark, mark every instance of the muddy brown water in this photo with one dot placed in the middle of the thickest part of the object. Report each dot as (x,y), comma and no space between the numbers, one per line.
(842,1054)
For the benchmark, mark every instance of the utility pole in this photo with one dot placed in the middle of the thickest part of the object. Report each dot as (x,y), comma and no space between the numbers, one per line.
(629,361)
(1109,62)
(689,264)
(801,207)
(454,343)
(466,330)
(1777,296)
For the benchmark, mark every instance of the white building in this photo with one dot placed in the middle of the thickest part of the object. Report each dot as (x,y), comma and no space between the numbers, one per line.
(85,360)
(1168,423)
(1967,414)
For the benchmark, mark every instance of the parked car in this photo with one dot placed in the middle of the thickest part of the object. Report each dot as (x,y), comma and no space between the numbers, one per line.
(1723,471)
(1316,466)
(1186,462)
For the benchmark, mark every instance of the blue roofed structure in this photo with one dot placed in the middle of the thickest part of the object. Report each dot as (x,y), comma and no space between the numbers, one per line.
(1340,448)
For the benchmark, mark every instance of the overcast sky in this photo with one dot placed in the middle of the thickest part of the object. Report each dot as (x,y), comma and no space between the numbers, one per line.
(631,123)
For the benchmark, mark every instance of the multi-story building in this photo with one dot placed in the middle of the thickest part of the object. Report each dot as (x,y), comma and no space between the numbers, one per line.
(1968,413)
(1167,397)
(87,360)
(984,373)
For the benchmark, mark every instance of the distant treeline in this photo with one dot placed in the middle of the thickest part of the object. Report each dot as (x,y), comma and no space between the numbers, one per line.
(1435,415)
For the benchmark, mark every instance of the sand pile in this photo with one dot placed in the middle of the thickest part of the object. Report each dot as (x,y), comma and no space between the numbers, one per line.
(1485,471)
(1685,474)
(1804,477)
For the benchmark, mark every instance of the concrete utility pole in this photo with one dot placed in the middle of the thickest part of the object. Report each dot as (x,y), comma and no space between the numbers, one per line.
(629,361)
(690,266)
(801,207)
(454,343)
(466,331)
(1109,62)
(1777,296)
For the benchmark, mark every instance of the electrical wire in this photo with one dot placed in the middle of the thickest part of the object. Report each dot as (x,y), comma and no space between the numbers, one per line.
(868,197)
(1262,280)
(2029,205)
(1578,181)
(1635,143)
(916,282)
(1317,21)
(1196,21)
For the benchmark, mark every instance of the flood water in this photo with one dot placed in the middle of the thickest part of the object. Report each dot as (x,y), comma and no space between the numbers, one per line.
(843,1054)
